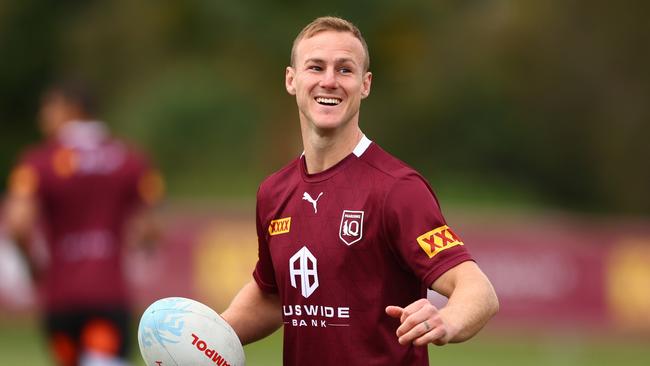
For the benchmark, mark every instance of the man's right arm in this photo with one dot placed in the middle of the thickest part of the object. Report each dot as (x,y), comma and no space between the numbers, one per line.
(21,212)
(253,313)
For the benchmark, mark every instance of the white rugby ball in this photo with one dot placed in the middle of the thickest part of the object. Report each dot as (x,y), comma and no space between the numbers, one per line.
(183,332)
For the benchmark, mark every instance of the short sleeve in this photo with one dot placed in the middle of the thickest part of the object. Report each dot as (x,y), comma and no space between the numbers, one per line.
(150,186)
(264,273)
(146,185)
(24,180)
(27,177)
(417,230)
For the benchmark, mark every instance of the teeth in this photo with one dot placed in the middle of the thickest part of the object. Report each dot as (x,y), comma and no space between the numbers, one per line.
(328,101)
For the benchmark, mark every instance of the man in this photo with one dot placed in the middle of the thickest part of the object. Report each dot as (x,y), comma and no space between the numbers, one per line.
(82,188)
(350,238)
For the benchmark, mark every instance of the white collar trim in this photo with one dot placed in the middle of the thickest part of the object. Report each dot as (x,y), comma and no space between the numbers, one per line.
(84,135)
(362,146)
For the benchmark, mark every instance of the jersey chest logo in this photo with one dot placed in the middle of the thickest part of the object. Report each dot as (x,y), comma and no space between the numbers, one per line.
(351,229)
(303,272)
(314,201)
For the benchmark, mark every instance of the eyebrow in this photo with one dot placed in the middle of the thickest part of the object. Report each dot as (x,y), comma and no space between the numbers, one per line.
(337,61)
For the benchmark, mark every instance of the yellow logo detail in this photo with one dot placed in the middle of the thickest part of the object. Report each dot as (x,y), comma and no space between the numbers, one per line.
(64,162)
(437,240)
(23,181)
(151,187)
(280,226)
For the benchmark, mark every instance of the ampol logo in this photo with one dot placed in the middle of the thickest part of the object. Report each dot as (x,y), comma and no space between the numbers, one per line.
(211,354)
(351,229)
(437,240)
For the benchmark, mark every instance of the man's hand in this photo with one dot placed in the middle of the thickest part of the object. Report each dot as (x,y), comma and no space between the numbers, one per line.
(422,323)
(472,302)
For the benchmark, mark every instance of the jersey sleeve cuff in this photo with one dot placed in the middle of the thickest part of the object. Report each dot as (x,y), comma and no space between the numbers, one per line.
(450,263)
(266,287)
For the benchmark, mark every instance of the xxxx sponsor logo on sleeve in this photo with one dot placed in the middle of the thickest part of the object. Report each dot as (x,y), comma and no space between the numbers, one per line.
(280,226)
(437,240)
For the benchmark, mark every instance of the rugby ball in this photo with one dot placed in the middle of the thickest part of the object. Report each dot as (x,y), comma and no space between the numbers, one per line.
(184,332)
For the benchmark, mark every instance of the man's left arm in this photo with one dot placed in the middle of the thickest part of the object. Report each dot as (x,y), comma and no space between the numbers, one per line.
(472,302)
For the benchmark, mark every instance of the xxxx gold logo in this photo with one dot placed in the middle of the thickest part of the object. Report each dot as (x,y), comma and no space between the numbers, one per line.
(437,240)
(280,226)
(65,162)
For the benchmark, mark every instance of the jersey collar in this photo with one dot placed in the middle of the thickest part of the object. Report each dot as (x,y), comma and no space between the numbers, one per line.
(358,151)
(362,146)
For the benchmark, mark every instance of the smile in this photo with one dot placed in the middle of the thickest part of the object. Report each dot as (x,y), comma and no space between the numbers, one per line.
(328,101)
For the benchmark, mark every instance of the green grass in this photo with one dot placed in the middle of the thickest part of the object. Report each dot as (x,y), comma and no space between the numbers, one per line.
(21,344)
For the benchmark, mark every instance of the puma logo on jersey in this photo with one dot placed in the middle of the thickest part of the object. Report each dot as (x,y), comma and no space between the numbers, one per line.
(307,197)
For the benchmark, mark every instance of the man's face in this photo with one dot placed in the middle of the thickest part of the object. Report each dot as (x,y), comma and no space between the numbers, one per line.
(54,112)
(328,79)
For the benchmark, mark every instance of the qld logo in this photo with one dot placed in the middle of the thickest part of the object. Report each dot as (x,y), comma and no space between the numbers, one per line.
(351,229)
(303,265)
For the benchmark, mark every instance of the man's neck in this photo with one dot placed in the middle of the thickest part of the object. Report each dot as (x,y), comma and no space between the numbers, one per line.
(324,149)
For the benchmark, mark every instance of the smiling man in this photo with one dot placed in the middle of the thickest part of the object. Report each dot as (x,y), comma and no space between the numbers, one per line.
(347,273)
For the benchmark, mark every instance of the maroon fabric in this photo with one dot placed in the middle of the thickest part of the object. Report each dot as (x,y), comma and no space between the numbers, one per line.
(340,320)
(85,197)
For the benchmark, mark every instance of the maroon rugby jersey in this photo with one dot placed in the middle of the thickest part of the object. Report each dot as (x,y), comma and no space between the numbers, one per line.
(86,185)
(340,245)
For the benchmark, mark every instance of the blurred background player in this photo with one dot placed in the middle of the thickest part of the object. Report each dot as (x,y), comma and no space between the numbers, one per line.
(89,194)
(350,238)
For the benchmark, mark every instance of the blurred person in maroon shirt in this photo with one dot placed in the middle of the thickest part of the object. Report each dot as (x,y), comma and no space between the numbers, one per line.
(89,194)
(350,238)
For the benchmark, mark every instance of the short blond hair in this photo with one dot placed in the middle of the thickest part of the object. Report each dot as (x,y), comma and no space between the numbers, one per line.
(330,23)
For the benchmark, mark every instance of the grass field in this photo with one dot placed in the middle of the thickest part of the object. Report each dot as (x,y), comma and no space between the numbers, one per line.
(21,345)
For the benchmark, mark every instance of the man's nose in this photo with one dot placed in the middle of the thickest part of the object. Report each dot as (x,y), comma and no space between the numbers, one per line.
(329,80)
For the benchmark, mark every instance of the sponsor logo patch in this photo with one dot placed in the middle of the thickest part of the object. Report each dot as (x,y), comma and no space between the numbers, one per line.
(437,240)
(65,162)
(304,266)
(280,226)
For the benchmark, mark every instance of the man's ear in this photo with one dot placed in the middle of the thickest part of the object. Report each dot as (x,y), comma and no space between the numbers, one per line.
(365,86)
(289,80)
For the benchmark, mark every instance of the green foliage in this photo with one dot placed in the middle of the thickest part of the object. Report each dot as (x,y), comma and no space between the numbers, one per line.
(199,128)
(547,97)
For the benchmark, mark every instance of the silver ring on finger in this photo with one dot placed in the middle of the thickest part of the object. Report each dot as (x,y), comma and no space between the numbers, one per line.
(426,325)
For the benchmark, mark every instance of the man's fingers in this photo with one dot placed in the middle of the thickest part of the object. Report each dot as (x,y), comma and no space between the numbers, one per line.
(413,321)
(421,324)
(435,336)
(425,311)
(394,311)
(423,331)
(414,308)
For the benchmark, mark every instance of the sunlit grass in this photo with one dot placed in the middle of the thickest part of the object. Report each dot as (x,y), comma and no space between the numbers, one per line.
(21,344)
